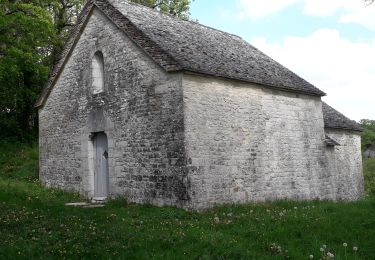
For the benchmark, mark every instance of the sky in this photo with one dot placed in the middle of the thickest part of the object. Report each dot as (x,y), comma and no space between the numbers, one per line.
(329,43)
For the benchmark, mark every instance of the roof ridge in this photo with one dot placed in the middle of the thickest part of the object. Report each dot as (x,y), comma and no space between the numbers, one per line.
(182,20)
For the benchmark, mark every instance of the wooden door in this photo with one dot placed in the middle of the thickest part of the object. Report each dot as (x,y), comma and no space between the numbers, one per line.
(101,166)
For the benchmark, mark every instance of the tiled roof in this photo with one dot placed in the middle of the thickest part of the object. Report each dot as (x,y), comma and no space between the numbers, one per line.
(336,120)
(178,45)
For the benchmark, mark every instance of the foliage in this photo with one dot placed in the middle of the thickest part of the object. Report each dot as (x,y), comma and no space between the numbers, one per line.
(369,175)
(368,140)
(35,224)
(26,37)
(179,8)
(368,135)
(64,14)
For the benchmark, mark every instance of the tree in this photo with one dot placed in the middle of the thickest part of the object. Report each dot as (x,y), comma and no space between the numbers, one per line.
(368,135)
(64,14)
(32,34)
(26,37)
(179,8)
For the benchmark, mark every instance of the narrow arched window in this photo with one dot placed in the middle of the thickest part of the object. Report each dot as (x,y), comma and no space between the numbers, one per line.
(97,73)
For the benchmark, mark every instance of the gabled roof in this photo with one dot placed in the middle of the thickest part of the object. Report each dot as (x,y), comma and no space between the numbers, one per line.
(178,45)
(336,120)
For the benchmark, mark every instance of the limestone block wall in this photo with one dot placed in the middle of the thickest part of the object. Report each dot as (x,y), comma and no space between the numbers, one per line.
(140,110)
(249,143)
(346,162)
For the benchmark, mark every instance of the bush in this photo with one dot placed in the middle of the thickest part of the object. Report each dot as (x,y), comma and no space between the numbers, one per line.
(369,175)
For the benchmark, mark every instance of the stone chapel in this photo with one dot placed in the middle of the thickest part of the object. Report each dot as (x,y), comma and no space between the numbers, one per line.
(158,110)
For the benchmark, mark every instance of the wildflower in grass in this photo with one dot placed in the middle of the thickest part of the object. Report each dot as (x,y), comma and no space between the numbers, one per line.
(355,249)
(330,255)
(295,208)
(311,256)
(216,219)
(324,246)
(345,244)
(321,249)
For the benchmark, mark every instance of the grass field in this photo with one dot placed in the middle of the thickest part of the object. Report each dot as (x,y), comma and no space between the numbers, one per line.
(34,223)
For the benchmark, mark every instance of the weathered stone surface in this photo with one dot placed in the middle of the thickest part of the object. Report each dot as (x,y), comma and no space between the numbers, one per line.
(345,162)
(248,143)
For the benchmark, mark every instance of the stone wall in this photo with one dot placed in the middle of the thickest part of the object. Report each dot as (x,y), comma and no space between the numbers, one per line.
(140,111)
(249,143)
(346,161)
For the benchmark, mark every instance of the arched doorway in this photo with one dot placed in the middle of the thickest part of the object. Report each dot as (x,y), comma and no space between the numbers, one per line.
(100,166)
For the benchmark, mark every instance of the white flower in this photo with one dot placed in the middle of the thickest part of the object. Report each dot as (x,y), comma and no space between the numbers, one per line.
(345,244)
(355,248)
(295,207)
(324,246)
(217,220)
(311,256)
(321,249)
(329,254)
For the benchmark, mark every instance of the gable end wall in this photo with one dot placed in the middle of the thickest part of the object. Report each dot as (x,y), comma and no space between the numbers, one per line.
(140,111)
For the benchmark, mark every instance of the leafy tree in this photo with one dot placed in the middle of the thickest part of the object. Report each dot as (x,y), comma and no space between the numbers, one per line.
(26,34)
(368,135)
(179,8)
(64,14)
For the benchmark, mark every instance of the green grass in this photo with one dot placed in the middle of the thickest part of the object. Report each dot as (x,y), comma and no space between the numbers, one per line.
(34,223)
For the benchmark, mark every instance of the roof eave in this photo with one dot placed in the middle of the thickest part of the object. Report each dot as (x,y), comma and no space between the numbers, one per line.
(318,93)
(344,128)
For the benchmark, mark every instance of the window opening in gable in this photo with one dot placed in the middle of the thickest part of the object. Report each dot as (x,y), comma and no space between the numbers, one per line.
(98,73)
